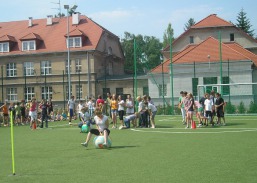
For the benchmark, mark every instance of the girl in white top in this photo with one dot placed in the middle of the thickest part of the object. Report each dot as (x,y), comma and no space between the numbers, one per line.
(79,109)
(129,105)
(121,105)
(102,125)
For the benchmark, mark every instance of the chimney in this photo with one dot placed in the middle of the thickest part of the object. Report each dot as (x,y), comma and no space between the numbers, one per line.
(30,22)
(49,20)
(75,18)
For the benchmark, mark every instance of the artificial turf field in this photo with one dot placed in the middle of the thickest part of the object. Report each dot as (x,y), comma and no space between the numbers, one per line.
(168,153)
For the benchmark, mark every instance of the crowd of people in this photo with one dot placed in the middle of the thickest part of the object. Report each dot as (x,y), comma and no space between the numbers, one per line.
(206,109)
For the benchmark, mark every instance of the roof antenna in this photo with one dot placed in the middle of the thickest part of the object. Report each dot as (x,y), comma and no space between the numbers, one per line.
(59,9)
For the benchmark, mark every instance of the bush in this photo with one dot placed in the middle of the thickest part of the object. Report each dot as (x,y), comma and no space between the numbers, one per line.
(241,108)
(230,109)
(252,107)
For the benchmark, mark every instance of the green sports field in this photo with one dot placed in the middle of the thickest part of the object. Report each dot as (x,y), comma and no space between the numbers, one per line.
(168,153)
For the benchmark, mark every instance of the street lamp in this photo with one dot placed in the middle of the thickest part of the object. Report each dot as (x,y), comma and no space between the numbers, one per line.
(69,11)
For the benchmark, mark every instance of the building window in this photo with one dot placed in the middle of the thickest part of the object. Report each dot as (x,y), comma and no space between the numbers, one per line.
(66,66)
(232,37)
(119,91)
(28,69)
(79,92)
(47,92)
(46,68)
(78,65)
(29,93)
(74,42)
(225,89)
(145,91)
(208,81)
(105,91)
(110,69)
(67,92)
(194,86)
(11,70)
(4,47)
(191,39)
(28,45)
(162,90)
(12,94)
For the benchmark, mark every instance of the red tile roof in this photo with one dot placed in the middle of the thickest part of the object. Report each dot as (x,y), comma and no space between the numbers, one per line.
(198,53)
(7,38)
(212,21)
(53,36)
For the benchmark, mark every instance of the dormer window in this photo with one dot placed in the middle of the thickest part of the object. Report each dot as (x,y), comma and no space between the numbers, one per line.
(4,47)
(75,42)
(28,45)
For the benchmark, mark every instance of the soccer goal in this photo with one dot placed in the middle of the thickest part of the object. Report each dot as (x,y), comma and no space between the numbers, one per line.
(239,97)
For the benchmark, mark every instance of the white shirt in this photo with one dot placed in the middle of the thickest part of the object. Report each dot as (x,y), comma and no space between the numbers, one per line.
(80,106)
(71,104)
(101,122)
(208,103)
(121,105)
(152,107)
(130,108)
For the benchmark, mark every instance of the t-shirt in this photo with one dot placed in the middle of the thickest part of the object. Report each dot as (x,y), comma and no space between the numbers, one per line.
(71,104)
(208,103)
(180,100)
(152,107)
(101,122)
(130,117)
(218,102)
(121,105)
(114,104)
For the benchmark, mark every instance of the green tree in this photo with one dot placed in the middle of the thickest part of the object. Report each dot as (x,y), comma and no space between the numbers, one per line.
(148,53)
(244,23)
(190,23)
(169,32)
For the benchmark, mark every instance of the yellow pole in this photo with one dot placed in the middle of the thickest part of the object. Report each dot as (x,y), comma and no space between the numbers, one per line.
(13,163)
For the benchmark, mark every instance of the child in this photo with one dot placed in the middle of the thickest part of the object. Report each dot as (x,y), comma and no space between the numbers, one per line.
(208,108)
(23,112)
(63,116)
(33,113)
(18,114)
(58,116)
(131,118)
(52,116)
(190,109)
(102,125)
(5,114)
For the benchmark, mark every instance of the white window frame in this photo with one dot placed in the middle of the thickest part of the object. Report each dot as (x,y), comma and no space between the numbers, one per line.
(11,70)
(4,47)
(29,93)
(77,92)
(161,88)
(29,69)
(12,94)
(66,66)
(74,42)
(46,68)
(28,45)
(78,65)
(48,92)
(67,91)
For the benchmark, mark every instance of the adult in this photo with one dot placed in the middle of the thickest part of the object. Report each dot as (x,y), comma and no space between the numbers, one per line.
(219,108)
(100,103)
(50,108)
(71,107)
(129,105)
(190,109)
(121,105)
(44,106)
(33,113)
(102,125)
(114,110)
(108,104)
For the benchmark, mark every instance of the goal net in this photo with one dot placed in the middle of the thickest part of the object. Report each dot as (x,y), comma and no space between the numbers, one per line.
(240,98)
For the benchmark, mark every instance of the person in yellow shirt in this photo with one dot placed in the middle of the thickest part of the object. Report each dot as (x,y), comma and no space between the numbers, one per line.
(114,110)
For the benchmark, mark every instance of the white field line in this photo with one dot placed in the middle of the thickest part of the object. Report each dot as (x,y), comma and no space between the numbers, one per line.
(189,131)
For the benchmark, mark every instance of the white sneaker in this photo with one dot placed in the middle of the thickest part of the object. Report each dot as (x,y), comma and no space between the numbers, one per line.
(84,144)
(121,127)
(70,123)
(186,127)
(105,145)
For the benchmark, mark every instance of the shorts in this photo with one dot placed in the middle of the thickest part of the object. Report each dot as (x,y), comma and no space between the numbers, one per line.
(97,133)
(208,114)
(127,122)
(121,114)
(220,114)
(114,111)
(33,115)
(71,112)
(153,114)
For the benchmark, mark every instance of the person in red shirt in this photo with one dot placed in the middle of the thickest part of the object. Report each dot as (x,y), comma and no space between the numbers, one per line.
(5,114)
(100,103)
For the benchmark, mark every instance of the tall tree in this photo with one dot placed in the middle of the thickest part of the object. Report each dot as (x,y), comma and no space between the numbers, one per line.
(167,34)
(244,23)
(190,23)
(148,53)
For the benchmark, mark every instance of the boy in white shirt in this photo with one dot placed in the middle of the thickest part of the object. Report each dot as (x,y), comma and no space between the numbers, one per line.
(208,107)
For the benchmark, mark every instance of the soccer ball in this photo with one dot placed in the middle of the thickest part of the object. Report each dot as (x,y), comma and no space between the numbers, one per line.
(85,128)
(99,140)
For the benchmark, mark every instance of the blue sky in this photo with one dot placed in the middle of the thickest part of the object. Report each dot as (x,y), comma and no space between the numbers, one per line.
(146,17)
